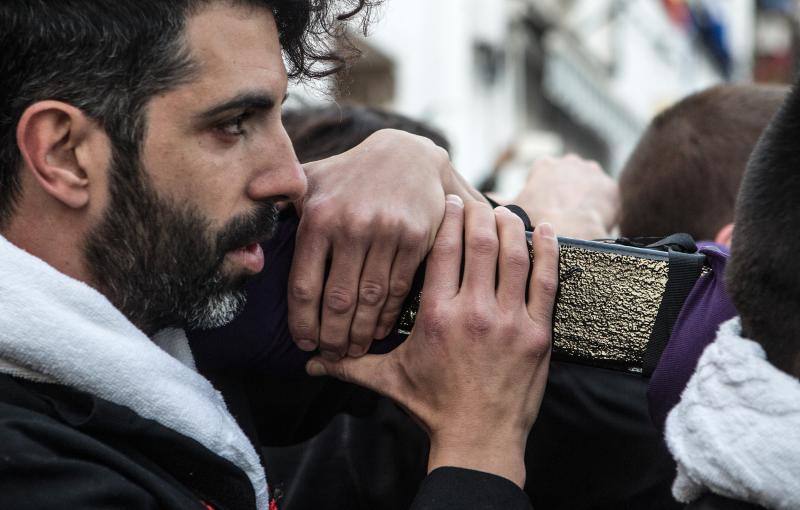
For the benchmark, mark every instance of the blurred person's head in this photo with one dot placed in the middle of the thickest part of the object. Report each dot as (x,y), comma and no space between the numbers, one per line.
(684,173)
(141,144)
(763,276)
(322,132)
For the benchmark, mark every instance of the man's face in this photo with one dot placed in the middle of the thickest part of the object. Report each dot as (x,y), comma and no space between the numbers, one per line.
(181,230)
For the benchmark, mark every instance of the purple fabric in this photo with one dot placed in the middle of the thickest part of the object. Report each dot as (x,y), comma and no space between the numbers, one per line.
(707,306)
(259,339)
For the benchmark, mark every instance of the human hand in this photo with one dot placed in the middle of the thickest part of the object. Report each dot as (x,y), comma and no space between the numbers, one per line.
(474,368)
(373,212)
(573,194)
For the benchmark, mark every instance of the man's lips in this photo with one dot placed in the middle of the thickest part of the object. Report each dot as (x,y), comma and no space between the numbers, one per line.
(251,257)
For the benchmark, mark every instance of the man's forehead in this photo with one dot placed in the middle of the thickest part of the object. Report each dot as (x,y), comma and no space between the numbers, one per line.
(235,48)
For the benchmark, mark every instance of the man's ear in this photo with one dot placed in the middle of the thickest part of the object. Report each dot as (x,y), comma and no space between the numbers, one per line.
(55,141)
(725,235)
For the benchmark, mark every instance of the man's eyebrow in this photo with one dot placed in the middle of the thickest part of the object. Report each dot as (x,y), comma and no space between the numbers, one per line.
(251,100)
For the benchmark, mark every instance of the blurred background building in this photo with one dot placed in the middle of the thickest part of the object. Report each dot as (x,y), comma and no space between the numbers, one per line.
(508,81)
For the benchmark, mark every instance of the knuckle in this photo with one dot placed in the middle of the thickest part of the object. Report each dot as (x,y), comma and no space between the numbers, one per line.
(316,205)
(435,323)
(478,323)
(517,260)
(311,209)
(303,292)
(316,213)
(510,329)
(541,337)
(399,287)
(547,282)
(483,243)
(357,226)
(315,225)
(414,237)
(371,293)
(447,247)
(339,300)
(386,225)
(539,342)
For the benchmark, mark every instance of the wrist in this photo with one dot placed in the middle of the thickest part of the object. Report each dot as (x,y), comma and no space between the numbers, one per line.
(501,456)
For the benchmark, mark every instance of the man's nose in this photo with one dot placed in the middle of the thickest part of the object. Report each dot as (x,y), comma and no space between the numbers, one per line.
(282,179)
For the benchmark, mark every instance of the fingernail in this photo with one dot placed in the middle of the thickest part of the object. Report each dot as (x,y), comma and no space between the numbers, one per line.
(315,368)
(307,345)
(546,230)
(455,200)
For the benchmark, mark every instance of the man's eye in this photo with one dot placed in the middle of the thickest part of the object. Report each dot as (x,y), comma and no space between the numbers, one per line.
(234,126)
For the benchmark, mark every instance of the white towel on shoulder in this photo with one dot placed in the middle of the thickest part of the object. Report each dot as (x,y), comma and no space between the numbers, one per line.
(736,430)
(54,328)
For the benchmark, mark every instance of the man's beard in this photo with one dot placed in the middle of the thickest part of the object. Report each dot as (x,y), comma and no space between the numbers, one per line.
(160,262)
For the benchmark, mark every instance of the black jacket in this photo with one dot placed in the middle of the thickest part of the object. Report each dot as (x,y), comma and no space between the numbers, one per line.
(592,446)
(61,448)
(340,447)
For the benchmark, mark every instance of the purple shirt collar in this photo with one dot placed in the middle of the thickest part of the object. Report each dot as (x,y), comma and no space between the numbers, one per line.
(706,307)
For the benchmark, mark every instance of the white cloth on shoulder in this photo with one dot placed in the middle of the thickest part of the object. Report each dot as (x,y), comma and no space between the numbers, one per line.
(736,430)
(56,329)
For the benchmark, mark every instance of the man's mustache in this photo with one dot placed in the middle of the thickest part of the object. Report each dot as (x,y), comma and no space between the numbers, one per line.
(253,227)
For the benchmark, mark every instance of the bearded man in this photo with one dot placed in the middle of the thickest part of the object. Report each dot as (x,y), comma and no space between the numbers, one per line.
(141,155)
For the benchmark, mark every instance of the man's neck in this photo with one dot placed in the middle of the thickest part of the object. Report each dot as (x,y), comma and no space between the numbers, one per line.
(58,248)
(53,242)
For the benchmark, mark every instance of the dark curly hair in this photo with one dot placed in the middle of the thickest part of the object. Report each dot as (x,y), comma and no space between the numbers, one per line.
(109,57)
(313,38)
